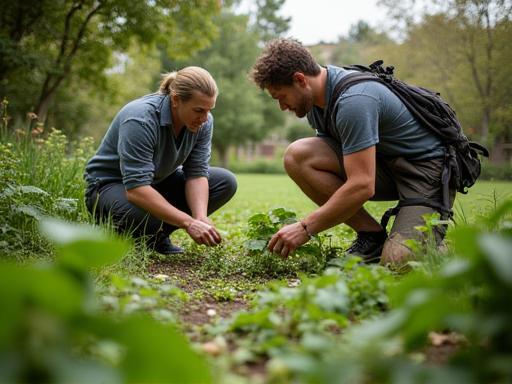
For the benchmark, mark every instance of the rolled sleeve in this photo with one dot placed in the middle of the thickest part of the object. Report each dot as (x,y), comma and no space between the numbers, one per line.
(136,147)
(196,164)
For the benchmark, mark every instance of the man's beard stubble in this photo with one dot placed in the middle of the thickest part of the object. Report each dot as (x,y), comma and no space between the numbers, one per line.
(303,107)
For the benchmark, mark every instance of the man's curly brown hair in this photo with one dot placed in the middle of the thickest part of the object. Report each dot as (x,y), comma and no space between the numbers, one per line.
(280,59)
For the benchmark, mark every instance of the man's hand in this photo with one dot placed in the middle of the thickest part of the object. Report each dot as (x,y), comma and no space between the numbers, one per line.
(288,239)
(203,232)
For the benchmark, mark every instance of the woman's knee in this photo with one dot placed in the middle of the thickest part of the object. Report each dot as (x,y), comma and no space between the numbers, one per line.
(223,184)
(231,184)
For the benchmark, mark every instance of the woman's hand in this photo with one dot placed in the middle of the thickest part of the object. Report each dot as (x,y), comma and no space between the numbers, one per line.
(203,232)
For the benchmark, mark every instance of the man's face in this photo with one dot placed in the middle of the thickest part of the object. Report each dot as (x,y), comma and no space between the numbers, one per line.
(294,98)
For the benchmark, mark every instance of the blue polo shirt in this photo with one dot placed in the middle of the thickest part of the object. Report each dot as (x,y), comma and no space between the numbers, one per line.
(370,114)
(140,147)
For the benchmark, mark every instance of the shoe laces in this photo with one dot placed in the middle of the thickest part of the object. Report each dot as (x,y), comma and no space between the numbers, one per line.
(361,242)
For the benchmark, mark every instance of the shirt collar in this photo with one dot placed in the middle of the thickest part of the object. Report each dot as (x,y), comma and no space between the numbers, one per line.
(165,112)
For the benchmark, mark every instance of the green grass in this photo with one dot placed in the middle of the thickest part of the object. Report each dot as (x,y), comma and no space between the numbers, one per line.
(260,193)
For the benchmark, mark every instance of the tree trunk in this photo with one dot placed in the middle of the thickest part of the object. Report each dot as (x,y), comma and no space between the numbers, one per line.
(41,109)
(69,46)
(46,96)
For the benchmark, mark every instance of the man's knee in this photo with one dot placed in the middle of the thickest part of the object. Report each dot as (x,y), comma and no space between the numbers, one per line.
(295,154)
(395,251)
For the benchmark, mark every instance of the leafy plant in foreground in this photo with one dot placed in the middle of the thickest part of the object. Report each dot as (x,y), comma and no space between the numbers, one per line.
(469,294)
(50,330)
(306,318)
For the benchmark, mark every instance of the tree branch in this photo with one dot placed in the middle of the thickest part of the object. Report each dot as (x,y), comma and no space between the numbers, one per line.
(76,44)
(67,26)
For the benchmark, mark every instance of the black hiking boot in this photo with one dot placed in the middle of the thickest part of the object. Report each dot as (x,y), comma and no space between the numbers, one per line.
(163,245)
(368,245)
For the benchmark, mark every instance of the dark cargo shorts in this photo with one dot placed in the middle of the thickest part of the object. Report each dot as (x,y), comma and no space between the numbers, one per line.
(400,179)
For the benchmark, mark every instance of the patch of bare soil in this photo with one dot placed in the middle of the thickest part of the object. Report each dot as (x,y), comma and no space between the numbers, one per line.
(205,308)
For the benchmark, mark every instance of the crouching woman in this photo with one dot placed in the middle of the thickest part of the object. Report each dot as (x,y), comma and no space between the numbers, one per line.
(151,173)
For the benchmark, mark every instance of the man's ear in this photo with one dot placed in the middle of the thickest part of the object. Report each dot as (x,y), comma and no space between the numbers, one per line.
(299,78)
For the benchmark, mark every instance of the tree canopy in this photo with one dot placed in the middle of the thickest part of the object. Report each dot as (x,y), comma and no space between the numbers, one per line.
(47,43)
(243,114)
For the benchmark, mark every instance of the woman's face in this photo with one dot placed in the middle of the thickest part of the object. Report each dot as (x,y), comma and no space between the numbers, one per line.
(193,113)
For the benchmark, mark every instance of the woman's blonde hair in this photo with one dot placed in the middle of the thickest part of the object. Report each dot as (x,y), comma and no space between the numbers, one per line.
(183,82)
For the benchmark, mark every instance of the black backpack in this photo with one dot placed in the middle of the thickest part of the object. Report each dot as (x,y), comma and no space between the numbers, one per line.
(462,164)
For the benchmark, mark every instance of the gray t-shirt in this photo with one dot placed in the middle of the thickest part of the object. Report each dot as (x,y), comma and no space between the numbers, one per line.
(140,147)
(370,114)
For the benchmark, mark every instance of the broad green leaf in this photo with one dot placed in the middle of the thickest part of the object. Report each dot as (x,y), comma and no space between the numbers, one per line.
(63,233)
(82,246)
(45,285)
(258,218)
(255,245)
(26,290)
(68,370)
(498,251)
(464,240)
(154,352)
(371,331)
(454,268)
(500,213)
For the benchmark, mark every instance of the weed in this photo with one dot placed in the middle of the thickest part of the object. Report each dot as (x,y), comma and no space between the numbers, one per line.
(311,257)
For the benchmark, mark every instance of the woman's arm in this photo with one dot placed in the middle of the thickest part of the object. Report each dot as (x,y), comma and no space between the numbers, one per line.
(196,193)
(149,199)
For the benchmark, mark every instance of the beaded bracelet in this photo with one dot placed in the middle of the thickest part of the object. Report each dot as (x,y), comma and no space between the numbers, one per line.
(304,225)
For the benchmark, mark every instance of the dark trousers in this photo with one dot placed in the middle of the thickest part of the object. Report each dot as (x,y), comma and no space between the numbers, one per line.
(109,201)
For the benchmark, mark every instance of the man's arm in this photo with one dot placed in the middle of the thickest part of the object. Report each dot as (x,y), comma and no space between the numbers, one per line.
(149,199)
(350,197)
(341,206)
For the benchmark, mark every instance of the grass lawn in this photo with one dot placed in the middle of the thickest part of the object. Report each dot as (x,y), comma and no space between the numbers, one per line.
(260,193)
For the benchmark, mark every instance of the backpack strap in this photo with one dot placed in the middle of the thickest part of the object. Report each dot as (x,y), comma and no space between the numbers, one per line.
(385,77)
(346,82)
(445,214)
(479,149)
(443,207)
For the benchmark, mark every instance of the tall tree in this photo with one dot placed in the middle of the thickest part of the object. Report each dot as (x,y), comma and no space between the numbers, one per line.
(53,40)
(243,114)
(239,111)
(464,44)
